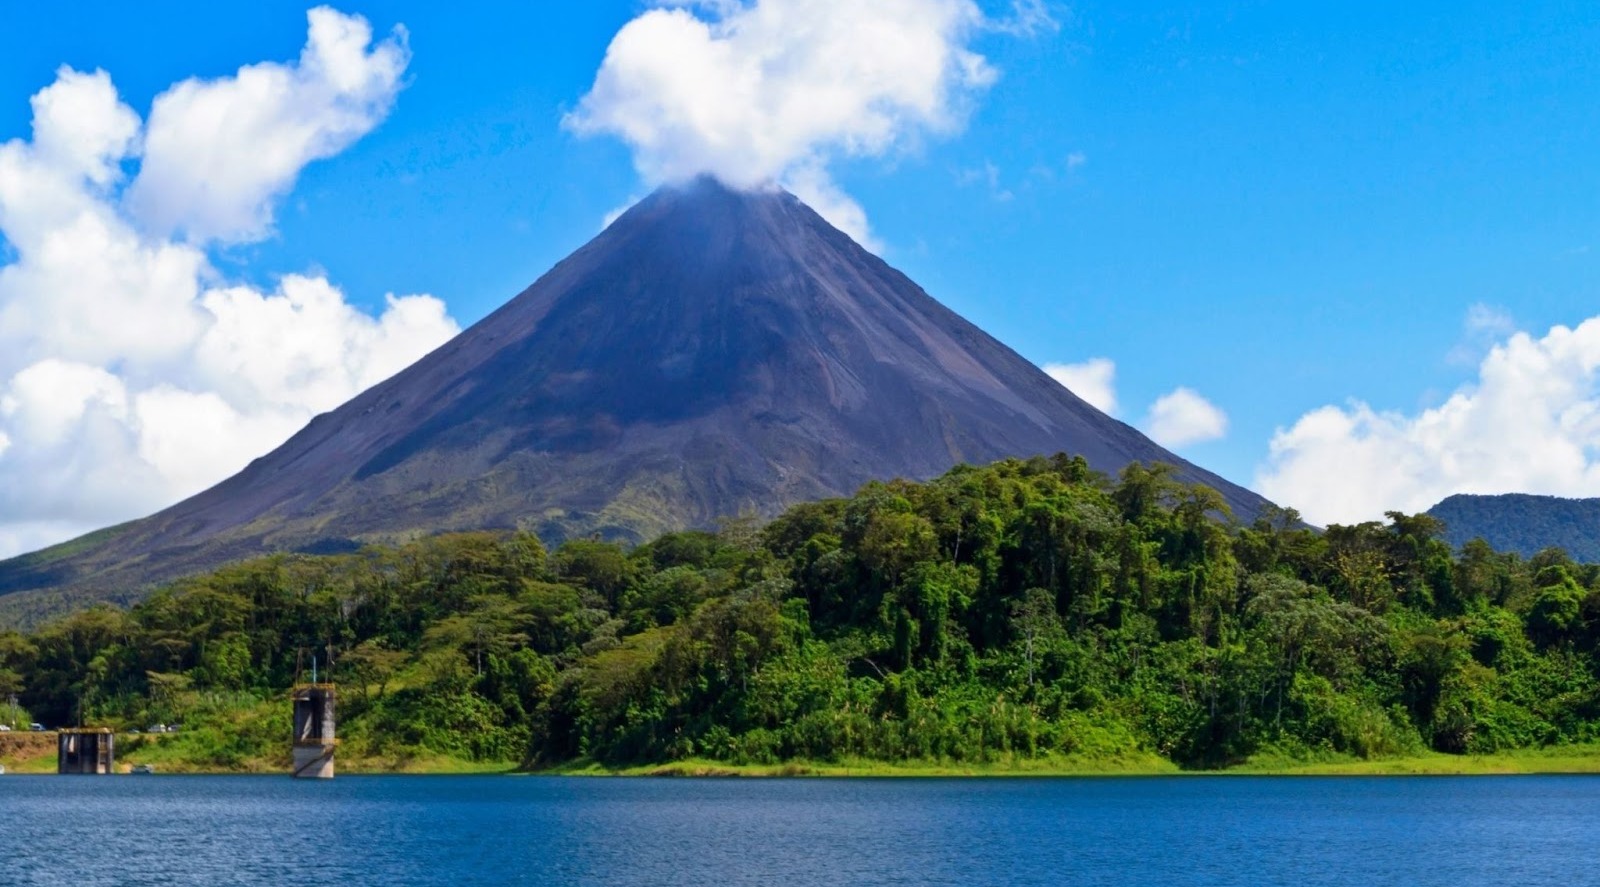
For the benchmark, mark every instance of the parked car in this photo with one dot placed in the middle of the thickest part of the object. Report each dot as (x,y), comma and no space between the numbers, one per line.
(37,728)
(5,728)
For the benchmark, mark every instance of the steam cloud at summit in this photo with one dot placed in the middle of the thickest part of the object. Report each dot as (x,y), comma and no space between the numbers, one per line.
(771,92)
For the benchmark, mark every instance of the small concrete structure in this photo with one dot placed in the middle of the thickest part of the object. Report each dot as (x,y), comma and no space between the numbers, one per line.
(86,750)
(314,739)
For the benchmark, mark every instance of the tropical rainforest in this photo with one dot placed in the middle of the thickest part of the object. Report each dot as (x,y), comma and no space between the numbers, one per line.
(1523,523)
(1024,610)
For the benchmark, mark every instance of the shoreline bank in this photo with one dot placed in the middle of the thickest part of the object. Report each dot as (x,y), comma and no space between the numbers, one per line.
(1560,760)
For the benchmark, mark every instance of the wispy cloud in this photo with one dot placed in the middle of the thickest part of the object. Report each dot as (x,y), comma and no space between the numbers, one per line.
(1030,18)
(1483,326)
(987,175)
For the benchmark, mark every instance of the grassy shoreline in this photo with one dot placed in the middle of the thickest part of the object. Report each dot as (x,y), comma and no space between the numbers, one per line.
(1552,761)
(1132,765)
(1566,760)
(1556,760)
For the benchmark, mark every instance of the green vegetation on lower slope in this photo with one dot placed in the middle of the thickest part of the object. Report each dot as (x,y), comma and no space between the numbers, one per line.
(1029,616)
(41,569)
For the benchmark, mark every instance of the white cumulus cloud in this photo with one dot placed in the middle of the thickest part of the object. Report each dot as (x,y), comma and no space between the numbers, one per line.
(1094,380)
(1529,423)
(1182,417)
(769,91)
(217,153)
(132,373)
(1176,419)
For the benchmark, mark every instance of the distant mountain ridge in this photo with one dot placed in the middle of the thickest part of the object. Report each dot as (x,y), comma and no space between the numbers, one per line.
(710,353)
(1523,523)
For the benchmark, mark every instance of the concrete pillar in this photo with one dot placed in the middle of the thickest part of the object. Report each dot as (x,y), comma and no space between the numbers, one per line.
(314,737)
(86,750)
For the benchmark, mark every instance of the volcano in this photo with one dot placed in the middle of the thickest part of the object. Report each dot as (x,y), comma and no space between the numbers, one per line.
(711,353)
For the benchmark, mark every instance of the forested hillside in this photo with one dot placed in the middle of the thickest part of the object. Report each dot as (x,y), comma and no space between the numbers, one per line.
(1523,523)
(1025,609)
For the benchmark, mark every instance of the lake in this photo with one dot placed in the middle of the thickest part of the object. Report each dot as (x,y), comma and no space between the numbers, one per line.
(532,830)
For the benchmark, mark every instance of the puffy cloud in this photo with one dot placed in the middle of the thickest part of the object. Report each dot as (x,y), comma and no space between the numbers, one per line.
(1176,419)
(1094,380)
(1182,417)
(87,286)
(218,153)
(1529,423)
(757,88)
(72,429)
(131,373)
(305,344)
(771,90)
(79,124)
(45,401)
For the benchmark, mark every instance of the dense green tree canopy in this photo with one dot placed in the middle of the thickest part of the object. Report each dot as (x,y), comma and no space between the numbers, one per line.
(1025,608)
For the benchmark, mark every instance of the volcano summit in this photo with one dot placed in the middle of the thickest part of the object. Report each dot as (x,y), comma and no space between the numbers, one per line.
(710,353)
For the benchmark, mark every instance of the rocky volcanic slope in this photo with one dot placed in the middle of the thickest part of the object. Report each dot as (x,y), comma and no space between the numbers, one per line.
(711,353)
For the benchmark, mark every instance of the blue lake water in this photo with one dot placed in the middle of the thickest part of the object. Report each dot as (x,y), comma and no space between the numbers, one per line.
(529,830)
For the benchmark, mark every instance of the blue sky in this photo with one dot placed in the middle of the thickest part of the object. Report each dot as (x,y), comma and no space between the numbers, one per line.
(1280,208)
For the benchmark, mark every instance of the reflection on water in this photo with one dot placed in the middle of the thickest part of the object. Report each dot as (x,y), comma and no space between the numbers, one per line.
(528,830)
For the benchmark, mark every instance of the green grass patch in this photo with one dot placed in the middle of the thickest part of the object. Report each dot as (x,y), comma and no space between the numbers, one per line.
(1553,760)
(1133,764)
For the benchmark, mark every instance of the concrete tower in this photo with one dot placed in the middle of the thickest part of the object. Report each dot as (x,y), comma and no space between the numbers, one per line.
(314,739)
(86,750)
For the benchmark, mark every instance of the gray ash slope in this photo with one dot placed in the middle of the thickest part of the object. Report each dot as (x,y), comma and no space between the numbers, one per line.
(710,353)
